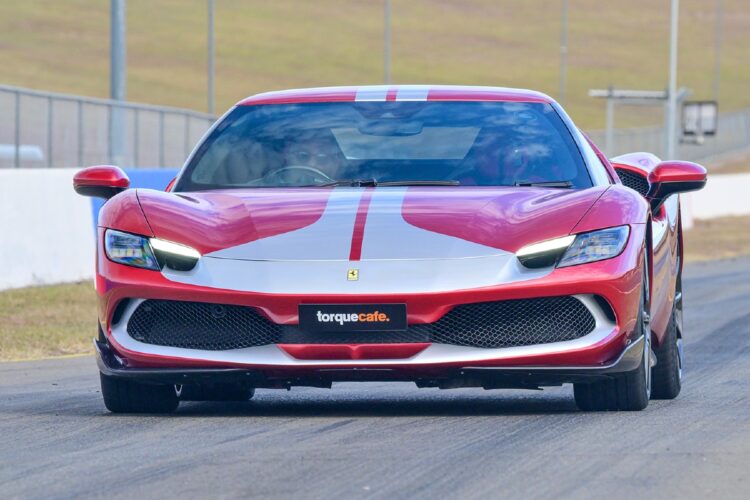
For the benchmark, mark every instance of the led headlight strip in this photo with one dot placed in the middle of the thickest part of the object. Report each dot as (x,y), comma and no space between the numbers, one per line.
(573,250)
(148,253)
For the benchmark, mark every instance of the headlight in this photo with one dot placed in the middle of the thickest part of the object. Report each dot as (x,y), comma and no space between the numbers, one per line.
(178,257)
(129,249)
(148,253)
(595,246)
(544,254)
(575,249)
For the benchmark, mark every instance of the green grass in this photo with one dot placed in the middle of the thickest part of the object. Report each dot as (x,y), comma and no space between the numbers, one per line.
(717,239)
(261,45)
(738,163)
(46,321)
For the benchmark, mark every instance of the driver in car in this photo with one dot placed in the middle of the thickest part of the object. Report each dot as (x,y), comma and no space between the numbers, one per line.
(311,160)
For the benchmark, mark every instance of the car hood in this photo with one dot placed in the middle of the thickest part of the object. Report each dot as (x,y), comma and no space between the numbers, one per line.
(344,224)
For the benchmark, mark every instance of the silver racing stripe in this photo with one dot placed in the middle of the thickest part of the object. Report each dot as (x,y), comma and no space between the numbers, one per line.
(397,257)
(372,93)
(412,93)
(388,235)
(329,238)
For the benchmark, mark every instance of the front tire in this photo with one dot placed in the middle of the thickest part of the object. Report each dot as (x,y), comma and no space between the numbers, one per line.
(667,373)
(629,391)
(127,396)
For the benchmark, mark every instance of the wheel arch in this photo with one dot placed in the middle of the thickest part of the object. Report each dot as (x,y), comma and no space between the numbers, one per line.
(649,254)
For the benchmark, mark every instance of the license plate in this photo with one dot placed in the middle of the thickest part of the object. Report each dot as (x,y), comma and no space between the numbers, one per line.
(352,317)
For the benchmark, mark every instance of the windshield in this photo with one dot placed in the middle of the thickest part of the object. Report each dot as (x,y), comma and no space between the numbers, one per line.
(374,143)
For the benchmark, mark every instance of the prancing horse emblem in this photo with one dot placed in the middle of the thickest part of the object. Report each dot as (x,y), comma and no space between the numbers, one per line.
(352,275)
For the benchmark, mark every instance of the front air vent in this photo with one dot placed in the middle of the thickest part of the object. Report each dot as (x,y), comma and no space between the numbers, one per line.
(633,180)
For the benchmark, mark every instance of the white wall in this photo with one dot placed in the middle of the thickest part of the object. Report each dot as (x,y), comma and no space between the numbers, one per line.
(724,195)
(46,229)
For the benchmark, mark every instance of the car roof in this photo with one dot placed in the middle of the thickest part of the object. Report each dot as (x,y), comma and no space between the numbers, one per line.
(396,93)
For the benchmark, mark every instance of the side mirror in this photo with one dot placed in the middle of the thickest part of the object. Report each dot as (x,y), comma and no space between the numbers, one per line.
(670,177)
(103,181)
(170,185)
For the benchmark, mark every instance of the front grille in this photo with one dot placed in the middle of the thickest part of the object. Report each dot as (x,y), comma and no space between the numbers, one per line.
(509,323)
(513,323)
(633,180)
(199,325)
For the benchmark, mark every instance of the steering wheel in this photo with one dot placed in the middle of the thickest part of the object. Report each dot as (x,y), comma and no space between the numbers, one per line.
(316,176)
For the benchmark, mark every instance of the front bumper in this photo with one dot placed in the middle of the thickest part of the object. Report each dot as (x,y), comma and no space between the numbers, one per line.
(617,281)
(531,377)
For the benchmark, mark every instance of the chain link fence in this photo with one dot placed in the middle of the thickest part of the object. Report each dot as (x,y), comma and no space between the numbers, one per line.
(733,134)
(46,129)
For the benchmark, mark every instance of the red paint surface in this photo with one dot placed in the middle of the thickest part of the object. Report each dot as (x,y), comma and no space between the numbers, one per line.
(506,218)
(677,171)
(355,253)
(616,206)
(102,175)
(123,212)
(436,93)
(214,220)
(353,351)
(325,94)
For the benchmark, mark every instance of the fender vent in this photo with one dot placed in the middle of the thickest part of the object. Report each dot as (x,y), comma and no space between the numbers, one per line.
(632,180)
(509,323)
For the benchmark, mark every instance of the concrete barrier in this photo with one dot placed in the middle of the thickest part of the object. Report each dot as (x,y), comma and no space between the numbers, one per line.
(724,195)
(47,231)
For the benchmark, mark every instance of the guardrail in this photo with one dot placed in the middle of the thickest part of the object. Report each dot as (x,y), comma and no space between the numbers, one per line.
(49,129)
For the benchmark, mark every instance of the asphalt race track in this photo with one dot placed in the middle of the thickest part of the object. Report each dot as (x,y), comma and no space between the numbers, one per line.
(393,440)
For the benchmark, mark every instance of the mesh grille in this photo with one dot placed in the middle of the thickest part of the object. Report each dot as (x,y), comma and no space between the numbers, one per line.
(513,323)
(508,323)
(633,181)
(198,325)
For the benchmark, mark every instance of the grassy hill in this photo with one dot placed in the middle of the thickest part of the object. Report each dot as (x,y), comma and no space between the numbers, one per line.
(263,45)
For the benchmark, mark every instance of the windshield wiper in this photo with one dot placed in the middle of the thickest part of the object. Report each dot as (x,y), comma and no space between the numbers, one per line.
(349,182)
(551,184)
(419,183)
(373,183)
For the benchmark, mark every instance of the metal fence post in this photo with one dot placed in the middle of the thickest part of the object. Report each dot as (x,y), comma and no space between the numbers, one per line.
(118,81)
(136,139)
(609,141)
(17,152)
(161,138)
(50,129)
(80,133)
(187,135)
(110,135)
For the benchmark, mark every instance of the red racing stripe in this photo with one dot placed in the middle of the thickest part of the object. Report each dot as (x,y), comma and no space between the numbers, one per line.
(359,225)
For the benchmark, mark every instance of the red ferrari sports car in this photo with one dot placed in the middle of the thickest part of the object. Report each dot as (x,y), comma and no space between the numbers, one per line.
(449,236)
